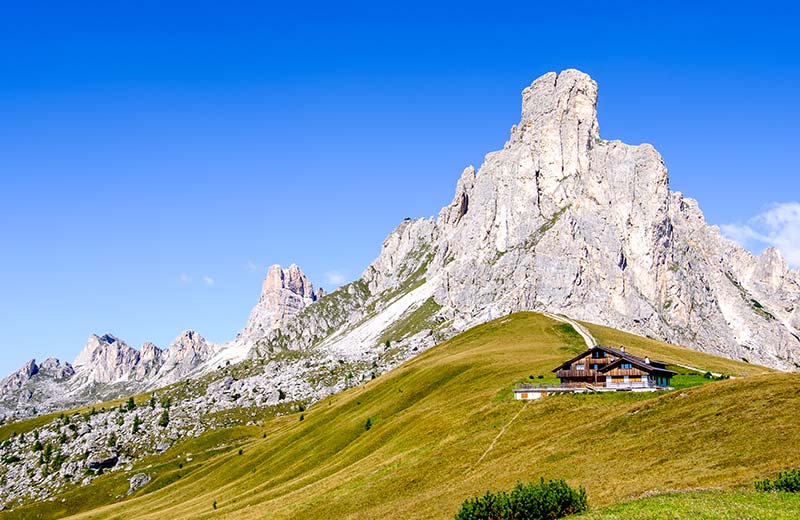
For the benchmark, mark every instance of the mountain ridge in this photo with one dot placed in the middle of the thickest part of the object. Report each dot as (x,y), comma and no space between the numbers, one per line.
(558,220)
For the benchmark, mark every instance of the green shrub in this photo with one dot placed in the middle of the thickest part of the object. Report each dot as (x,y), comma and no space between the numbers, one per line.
(368,424)
(130,404)
(787,481)
(543,501)
(163,421)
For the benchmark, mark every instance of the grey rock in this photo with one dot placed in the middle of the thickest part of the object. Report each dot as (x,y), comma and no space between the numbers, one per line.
(138,481)
(102,460)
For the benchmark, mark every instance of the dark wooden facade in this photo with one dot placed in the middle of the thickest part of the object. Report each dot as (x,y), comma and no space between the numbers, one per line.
(613,368)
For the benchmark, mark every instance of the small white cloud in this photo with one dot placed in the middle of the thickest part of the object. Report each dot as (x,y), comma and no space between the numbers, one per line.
(208,280)
(184,278)
(335,278)
(251,266)
(778,226)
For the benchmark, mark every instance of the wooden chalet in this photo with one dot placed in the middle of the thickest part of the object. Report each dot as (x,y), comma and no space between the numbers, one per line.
(610,368)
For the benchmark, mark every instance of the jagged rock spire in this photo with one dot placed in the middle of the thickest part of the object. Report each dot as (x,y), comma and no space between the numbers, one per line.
(284,293)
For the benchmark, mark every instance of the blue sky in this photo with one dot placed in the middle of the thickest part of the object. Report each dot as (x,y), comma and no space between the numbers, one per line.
(155,160)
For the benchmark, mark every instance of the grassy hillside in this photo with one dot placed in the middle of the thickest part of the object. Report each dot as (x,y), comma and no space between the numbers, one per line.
(445,427)
(703,505)
(664,352)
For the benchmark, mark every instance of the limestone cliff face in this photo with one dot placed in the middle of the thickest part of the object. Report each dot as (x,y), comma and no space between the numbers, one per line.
(185,354)
(106,359)
(284,293)
(562,220)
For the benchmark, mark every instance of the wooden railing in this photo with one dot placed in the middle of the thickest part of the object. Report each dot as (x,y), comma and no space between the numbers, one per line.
(575,373)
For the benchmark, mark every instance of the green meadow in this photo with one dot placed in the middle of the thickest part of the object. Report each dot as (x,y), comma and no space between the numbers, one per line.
(444,426)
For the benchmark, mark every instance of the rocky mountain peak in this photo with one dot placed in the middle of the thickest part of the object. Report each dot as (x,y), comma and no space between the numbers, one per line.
(187,341)
(150,352)
(284,293)
(291,279)
(16,380)
(568,99)
(56,369)
(106,359)
(564,221)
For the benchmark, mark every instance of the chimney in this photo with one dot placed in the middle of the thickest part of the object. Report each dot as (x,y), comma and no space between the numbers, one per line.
(647,359)
(622,348)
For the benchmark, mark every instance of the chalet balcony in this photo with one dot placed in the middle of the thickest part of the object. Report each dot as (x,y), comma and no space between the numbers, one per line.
(572,374)
(624,372)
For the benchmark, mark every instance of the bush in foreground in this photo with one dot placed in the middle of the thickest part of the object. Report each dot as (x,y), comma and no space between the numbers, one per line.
(543,501)
(788,481)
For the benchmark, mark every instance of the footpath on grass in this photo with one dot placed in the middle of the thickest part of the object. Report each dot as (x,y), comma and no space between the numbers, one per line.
(590,341)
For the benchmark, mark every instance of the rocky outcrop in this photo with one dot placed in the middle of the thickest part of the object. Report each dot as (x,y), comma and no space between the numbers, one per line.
(562,220)
(106,359)
(284,293)
(187,353)
(16,380)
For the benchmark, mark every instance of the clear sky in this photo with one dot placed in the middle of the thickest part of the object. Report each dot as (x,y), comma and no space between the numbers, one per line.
(155,160)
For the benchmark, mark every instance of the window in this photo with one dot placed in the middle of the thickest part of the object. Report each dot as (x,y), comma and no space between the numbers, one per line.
(598,354)
(580,367)
(626,365)
(595,366)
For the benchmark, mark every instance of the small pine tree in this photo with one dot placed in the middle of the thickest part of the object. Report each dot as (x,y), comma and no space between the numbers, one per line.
(37,446)
(112,440)
(214,505)
(163,421)
(120,420)
(152,401)
(166,402)
(281,395)
(368,424)
(130,404)
(47,455)
(302,417)
(136,423)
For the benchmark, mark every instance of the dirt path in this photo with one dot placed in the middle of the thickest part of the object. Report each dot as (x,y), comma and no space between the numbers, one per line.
(497,437)
(580,329)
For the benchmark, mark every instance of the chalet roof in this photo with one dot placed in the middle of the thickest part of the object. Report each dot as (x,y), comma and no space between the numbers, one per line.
(620,354)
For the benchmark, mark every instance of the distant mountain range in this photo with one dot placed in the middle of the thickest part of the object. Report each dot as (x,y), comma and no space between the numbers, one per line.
(559,220)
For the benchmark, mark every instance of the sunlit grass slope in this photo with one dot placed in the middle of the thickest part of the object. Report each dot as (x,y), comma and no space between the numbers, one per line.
(703,505)
(445,427)
(664,352)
